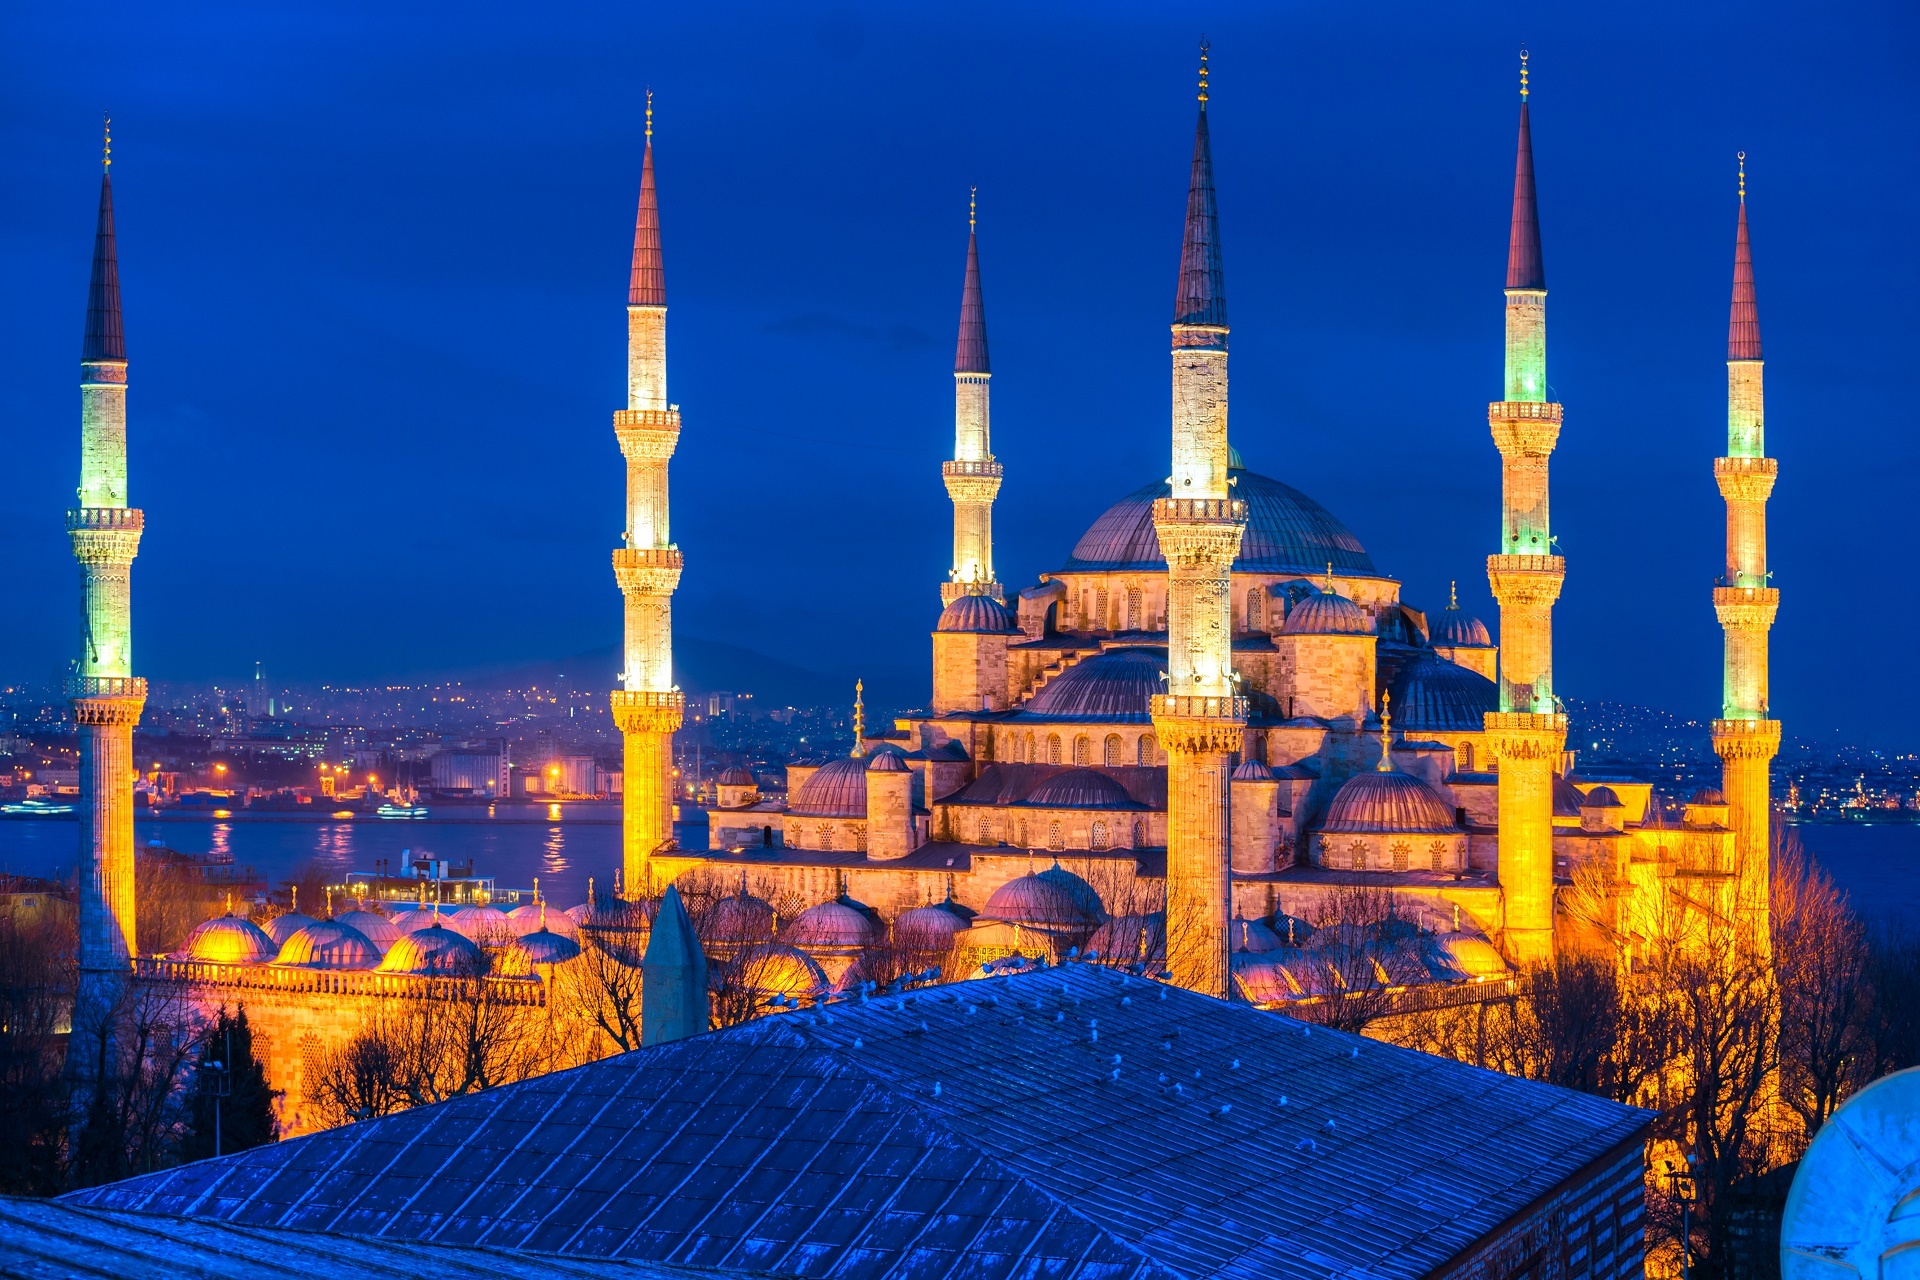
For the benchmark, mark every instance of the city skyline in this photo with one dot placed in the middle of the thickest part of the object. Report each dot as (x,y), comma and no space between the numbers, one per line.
(410,500)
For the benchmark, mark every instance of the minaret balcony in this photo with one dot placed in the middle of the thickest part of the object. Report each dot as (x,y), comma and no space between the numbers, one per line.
(107,518)
(650,571)
(1525,428)
(647,434)
(972,483)
(1746,479)
(1746,608)
(648,710)
(106,700)
(1746,739)
(1526,580)
(105,535)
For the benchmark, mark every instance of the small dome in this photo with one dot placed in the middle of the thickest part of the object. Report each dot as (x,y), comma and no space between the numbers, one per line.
(1252,771)
(418,918)
(485,925)
(1080,789)
(1117,686)
(1603,798)
(1395,802)
(1085,898)
(840,923)
(935,925)
(1458,629)
(1327,613)
(376,929)
(738,918)
(1473,955)
(836,790)
(522,956)
(229,940)
(328,944)
(1708,796)
(1252,936)
(1429,693)
(535,916)
(1131,938)
(435,950)
(776,969)
(1044,901)
(887,762)
(280,928)
(735,777)
(977,613)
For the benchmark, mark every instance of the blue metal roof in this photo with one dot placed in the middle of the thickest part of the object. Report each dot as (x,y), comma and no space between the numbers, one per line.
(1287,532)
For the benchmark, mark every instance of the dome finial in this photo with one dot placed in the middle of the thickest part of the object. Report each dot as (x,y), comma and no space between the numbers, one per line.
(1453,594)
(859,716)
(296,896)
(1386,732)
(1523,73)
(1742,157)
(1204,47)
(106,146)
(1329,577)
(329,902)
(649,115)
(973,206)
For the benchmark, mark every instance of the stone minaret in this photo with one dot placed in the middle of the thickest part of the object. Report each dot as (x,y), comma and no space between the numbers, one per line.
(1746,737)
(1527,734)
(107,697)
(647,707)
(1200,719)
(973,477)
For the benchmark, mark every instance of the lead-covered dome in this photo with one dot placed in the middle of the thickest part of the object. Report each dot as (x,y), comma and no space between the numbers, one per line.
(1081,788)
(977,613)
(328,944)
(1377,803)
(532,917)
(1327,613)
(485,925)
(280,928)
(229,940)
(376,929)
(1115,687)
(836,790)
(738,918)
(840,923)
(435,950)
(1457,628)
(932,926)
(1287,532)
(1432,694)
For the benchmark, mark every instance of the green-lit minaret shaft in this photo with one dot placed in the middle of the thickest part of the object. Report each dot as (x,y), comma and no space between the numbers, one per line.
(106,696)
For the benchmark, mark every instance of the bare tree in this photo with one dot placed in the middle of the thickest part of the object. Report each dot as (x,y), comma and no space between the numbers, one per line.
(1366,948)
(137,1052)
(37,973)
(1826,1001)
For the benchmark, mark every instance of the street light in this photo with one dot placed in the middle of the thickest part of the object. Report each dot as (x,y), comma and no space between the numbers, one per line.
(1681,1183)
(221,1074)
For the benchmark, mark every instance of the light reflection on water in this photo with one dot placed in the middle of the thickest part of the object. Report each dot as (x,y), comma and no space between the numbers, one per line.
(554,863)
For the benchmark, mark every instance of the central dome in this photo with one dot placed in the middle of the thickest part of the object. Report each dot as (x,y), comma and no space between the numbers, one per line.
(1287,532)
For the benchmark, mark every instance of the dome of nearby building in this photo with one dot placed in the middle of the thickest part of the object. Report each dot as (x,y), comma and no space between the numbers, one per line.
(735,777)
(535,916)
(1054,899)
(1287,532)
(1473,956)
(376,929)
(777,969)
(1603,798)
(229,940)
(936,925)
(1112,687)
(836,790)
(840,923)
(1085,898)
(1132,938)
(739,918)
(280,928)
(1327,613)
(418,918)
(1457,629)
(1377,802)
(523,956)
(1081,789)
(977,613)
(1253,936)
(328,944)
(1708,796)
(1430,693)
(435,950)
(887,762)
(481,923)
(1251,770)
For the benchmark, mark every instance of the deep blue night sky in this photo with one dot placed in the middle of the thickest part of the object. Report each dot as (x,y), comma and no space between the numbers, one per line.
(374,266)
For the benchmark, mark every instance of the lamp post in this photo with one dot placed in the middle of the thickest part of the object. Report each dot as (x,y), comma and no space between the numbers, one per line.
(1682,1186)
(220,1073)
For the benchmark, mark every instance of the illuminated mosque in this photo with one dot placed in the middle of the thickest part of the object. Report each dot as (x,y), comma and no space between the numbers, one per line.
(1215,717)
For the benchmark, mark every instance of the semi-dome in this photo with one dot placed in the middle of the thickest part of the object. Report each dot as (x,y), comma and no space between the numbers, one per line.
(481,923)
(376,929)
(1287,532)
(936,925)
(1115,687)
(977,613)
(435,950)
(739,918)
(836,790)
(1432,694)
(328,944)
(1327,613)
(1381,802)
(229,940)
(1081,788)
(840,923)
(280,928)
(887,762)
(1457,628)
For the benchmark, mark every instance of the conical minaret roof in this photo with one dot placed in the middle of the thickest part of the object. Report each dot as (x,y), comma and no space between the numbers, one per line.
(105,340)
(970,355)
(1202,297)
(649,284)
(1743,324)
(1525,268)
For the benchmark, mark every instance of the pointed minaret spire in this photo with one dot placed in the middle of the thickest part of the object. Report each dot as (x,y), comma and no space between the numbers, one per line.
(1743,324)
(1202,297)
(649,285)
(971,354)
(1525,269)
(105,339)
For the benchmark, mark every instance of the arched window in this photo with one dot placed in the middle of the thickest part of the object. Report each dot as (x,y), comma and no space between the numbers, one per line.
(986,829)
(1114,749)
(1256,616)
(1086,609)
(1149,750)
(1053,748)
(1463,757)
(860,838)
(1082,750)
(826,835)
(1139,835)
(1439,851)
(766,836)
(1133,609)
(1260,747)
(1100,608)
(1028,756)
(1056,836)
(1358,852)
(1098,839)
(1400,850)
(1021,837)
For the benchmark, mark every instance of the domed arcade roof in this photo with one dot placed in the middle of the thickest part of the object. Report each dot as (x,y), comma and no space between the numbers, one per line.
(436,950)
(836,790)
(532,917)
(1112,687)
(977,613)
(481,923)
(840,923)
(280,928)
(376,929)
(1287,532)
(934,925)
(1036,902)
(229,940)
(1381,802)
(1431,693)
(328,944)
(540,947)
(739,918)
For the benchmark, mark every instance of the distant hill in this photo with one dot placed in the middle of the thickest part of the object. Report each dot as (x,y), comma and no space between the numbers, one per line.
(700,665)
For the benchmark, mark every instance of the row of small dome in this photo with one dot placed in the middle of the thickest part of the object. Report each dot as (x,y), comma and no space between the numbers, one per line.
(422,940)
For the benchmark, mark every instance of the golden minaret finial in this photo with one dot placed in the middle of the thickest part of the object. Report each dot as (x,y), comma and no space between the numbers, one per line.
(1453,595)
(1204,47)
(859,715)
(973,205)
(106,146)
(296,898)
(1523,73)
(1329,577)
(1386,733)
(649,115)
(1742,156)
